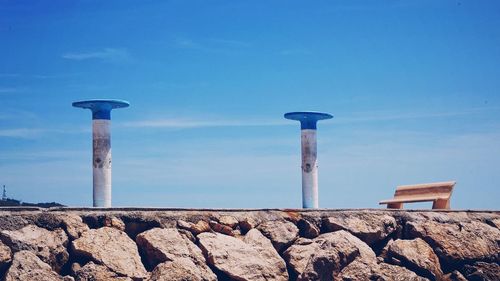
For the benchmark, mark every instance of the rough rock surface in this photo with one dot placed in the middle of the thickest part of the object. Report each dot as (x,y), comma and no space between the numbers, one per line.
(340,249)
(221,228)
(454,276)
(364,266)
(281,233)
(391,272)
(92,271)
(27,266)
(330,245)
(246,224)
(196,228)
(112,221)
(495,222)
(112,248)
(323,257)
(265,248)
(178,270)
(50,246)
(5,255)
(357,270)
(239,260)
(162,245)
(368,227)
(460,242)
(229,221)
(298,255)
(482,271)
(74,225)
(417,255)
(340,256)
(307,229)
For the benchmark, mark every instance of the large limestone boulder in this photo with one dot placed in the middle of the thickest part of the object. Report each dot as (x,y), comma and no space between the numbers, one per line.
(358,270)
(281,233)
(459,242)
(167,244)
(265,248)
(308,229)
(50,246)
(195,228)
(324,257)
(230,221)
(298,255)
(112,248)
(482,271)
(246,224)
(8,221)
(389,272)
(5,256)
(242,260)
(27,266)
(454,276)
(364,266)
(180,269)
(74,225)
(369,227)
(495,222)
(341,256)
(221,228)
(417,256)
(337,251)
(112,221)
(92,271)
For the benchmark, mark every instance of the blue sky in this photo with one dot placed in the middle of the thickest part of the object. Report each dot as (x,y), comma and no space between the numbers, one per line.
(413,85)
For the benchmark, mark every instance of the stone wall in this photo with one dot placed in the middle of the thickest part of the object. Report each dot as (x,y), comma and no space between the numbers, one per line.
(206,245)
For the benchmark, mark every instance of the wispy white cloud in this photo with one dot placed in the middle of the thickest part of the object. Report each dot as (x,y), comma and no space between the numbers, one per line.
(393,115)
(293,52)
(17,114)
(9,75)
(360,117)
(216,45)
(231,43)
(187,123)
(186,43)
(107,54)
(35,155)
(32,133)
(21,133)
(89,87)
(38,76)
(10,90)
(55,76)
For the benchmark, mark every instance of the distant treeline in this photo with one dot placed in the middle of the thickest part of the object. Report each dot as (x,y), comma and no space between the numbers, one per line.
(14,203)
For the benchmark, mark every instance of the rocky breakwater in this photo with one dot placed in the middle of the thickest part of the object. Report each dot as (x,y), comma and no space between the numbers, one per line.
(209,245)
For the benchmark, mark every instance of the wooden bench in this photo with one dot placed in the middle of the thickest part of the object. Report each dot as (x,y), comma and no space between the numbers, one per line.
(439,193)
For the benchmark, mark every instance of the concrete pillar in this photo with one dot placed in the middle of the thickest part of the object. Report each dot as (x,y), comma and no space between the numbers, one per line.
(101,147)
(308,128)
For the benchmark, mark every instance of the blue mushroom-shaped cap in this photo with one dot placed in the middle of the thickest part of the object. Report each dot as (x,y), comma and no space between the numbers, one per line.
(308,119)
(101,108)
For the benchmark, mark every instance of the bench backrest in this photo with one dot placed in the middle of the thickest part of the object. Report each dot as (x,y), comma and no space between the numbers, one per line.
(439,189)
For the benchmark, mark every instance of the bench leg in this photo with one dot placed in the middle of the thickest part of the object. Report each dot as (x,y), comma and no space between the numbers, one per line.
(395,206)
(441,204)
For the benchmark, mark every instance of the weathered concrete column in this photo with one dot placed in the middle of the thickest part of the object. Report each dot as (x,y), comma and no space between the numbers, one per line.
(101,146)
(308,122)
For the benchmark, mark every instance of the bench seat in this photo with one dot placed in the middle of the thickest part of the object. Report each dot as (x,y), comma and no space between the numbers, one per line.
(412,199)
(439,193)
